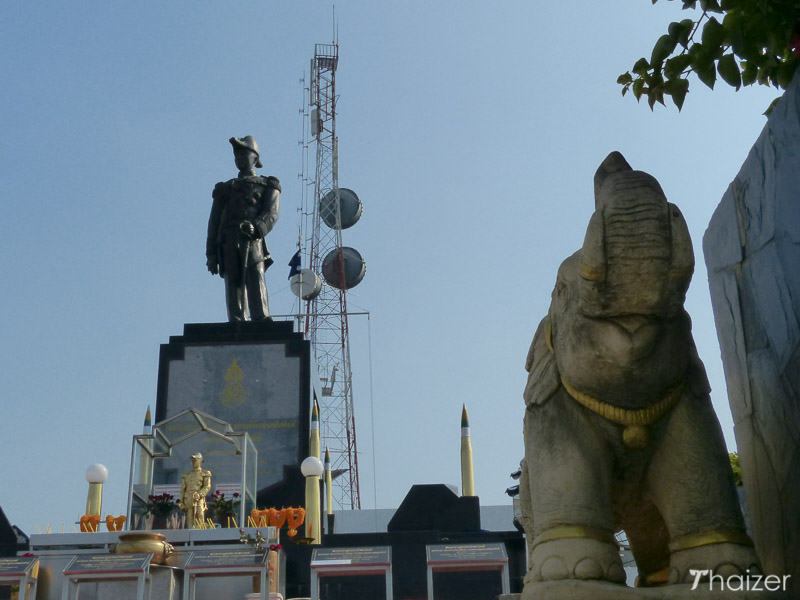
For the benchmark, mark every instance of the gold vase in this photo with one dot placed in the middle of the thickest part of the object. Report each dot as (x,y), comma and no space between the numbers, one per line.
(144,542)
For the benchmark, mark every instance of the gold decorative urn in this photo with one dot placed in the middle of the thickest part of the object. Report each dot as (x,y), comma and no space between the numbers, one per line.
(144,542)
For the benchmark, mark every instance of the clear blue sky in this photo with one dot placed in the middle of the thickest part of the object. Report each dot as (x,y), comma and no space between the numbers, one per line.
(470,130)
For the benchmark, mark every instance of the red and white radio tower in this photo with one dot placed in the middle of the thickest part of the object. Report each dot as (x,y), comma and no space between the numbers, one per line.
(340,268)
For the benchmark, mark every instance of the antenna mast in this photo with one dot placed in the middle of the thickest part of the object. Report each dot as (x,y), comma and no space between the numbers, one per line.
(342,268)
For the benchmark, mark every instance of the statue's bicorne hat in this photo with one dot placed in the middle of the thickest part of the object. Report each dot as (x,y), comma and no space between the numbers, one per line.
(248,142)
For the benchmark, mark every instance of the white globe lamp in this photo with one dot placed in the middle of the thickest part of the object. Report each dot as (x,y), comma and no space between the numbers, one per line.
(96,475)
(312,467)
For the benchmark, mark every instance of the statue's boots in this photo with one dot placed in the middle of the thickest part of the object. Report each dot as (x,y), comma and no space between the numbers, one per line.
(576,558)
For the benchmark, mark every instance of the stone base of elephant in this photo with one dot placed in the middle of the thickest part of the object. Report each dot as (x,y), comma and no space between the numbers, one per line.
(572,589)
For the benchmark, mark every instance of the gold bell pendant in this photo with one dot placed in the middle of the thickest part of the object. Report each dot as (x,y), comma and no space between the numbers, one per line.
(636,436)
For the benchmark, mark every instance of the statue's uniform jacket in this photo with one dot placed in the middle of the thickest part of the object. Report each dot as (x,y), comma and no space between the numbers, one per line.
(234,201)
(242,259)
(195,481)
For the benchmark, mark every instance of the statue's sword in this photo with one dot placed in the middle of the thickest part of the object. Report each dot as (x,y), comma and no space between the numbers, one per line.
(244,270)
(196,507)
(244,262)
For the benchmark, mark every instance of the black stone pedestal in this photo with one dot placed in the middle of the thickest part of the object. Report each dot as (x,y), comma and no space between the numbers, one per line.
(255,376)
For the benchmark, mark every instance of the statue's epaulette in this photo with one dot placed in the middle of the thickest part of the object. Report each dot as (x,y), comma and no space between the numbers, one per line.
(221,188)
(273,182)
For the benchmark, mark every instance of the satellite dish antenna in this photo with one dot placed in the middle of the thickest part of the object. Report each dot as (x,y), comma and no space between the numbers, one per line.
(306,284)
(354,268)
(349,208)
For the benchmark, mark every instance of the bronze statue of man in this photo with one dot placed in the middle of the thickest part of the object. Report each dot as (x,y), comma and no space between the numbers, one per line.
(244,210)
(195,485)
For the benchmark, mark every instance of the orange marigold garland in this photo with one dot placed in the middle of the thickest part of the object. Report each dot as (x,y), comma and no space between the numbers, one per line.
(277,518)
(115,523)
(296,516)
(90,523)
(260,517)
(273,517)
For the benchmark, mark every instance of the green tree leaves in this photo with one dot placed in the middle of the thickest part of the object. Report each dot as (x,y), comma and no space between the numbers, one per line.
(735,468)
(713,33)
(663,48)
(641,66)
(677,88)
(753,41)
(729,71)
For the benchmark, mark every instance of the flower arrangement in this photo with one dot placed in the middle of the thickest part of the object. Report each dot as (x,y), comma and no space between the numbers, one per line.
(225,508)
(160,505)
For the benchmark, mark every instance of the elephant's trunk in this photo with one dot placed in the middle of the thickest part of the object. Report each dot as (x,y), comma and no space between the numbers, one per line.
(637,257)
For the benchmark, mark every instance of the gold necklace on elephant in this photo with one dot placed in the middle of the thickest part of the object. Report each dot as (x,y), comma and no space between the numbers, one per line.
(636,421)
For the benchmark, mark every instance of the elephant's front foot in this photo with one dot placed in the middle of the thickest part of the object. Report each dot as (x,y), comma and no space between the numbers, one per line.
(572,554)
(694,559)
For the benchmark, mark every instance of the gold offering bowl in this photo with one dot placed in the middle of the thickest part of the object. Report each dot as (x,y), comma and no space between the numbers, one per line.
(302,541)
(145,542)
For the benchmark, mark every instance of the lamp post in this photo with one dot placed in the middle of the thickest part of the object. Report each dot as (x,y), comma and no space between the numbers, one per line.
(312,470)
(96,475)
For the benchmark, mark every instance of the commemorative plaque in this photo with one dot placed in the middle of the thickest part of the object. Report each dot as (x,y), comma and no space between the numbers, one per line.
(22,571)
(340,573)
(16,566)
(131,571)
(226,563)
(467,571)
(224,559)
(108,563)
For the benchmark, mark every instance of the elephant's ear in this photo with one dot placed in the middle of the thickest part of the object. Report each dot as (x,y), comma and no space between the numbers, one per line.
(543,377)
(698,380)
(681,263)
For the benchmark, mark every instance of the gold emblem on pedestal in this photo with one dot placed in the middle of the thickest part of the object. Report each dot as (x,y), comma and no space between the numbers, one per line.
(233,393)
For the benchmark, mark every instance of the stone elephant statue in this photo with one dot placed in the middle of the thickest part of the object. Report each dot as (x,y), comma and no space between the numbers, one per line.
(620,433)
